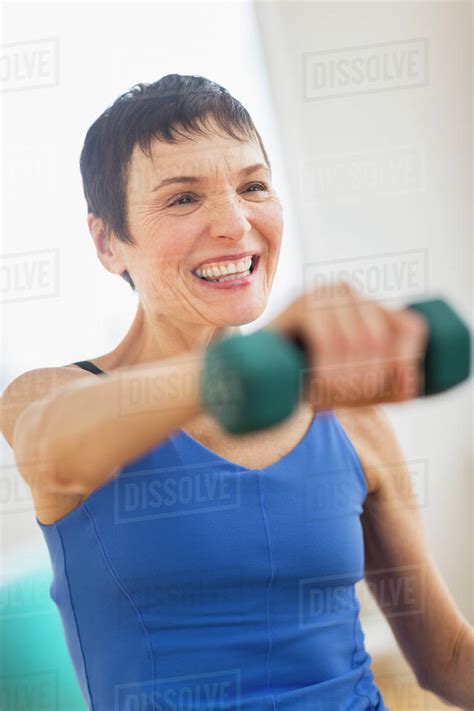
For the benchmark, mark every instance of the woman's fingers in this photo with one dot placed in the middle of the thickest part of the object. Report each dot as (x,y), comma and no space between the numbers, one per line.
(359,353)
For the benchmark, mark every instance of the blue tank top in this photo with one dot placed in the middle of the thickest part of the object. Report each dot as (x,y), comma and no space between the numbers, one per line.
(191,583)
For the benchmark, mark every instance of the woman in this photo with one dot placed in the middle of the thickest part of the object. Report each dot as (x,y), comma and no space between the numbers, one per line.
(194,569)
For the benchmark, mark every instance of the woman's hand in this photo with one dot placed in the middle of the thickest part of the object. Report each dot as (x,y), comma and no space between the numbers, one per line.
(359,353)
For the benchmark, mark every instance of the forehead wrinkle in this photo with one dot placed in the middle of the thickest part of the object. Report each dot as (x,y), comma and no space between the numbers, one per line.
(217,161)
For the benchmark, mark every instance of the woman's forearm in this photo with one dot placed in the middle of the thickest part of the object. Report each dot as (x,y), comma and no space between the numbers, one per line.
(87,430)
(456,686)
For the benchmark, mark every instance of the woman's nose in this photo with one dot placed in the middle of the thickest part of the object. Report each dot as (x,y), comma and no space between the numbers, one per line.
(228,218)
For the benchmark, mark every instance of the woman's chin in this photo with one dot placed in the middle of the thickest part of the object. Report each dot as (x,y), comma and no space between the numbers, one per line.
(243,313)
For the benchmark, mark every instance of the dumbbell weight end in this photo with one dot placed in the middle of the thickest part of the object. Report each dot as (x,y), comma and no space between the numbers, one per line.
(252,382)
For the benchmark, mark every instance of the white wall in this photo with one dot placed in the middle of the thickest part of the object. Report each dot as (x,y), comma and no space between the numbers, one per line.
(381,172)
(61,66)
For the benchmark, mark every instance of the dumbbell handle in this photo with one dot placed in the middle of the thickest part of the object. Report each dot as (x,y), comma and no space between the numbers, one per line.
(251,382)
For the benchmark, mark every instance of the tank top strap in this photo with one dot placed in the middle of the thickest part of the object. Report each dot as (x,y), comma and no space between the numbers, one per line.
(91,367)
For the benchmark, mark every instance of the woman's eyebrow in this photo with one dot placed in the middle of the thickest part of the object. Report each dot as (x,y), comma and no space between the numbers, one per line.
(195,179)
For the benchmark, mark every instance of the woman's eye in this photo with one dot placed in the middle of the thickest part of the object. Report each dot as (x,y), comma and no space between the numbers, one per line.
(186,196)
(180,201)
(262,186)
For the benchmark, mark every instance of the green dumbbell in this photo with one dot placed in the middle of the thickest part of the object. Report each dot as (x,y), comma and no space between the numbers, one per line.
(447,359)
(252,382)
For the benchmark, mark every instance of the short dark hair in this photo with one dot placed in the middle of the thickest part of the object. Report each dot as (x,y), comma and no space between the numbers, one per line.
(174,106)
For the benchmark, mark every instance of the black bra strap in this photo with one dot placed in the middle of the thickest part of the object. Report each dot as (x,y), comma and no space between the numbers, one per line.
(88,365)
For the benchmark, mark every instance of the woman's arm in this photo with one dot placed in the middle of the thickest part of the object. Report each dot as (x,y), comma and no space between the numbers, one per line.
(78,435)
(435,638)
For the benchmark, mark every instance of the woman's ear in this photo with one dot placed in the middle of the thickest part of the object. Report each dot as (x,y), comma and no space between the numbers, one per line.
(106,245)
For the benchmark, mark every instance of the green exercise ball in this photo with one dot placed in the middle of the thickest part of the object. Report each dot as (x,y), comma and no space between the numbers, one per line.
(36,670)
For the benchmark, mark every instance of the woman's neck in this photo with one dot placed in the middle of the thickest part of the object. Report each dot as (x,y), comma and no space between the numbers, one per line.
(151,338)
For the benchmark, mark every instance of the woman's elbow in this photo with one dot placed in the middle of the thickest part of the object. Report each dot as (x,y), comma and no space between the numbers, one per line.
(454,682)
(33,457)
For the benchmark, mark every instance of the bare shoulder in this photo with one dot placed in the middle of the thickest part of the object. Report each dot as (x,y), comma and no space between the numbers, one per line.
(374,441)
(33,386)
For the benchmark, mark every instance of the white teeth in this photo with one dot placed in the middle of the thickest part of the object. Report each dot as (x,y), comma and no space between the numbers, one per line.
(225,269)
(233,277)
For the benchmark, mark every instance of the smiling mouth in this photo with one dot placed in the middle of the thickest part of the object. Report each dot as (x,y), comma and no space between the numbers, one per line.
(231,276)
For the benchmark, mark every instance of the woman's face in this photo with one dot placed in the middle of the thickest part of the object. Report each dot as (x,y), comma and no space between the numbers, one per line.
(196,203)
